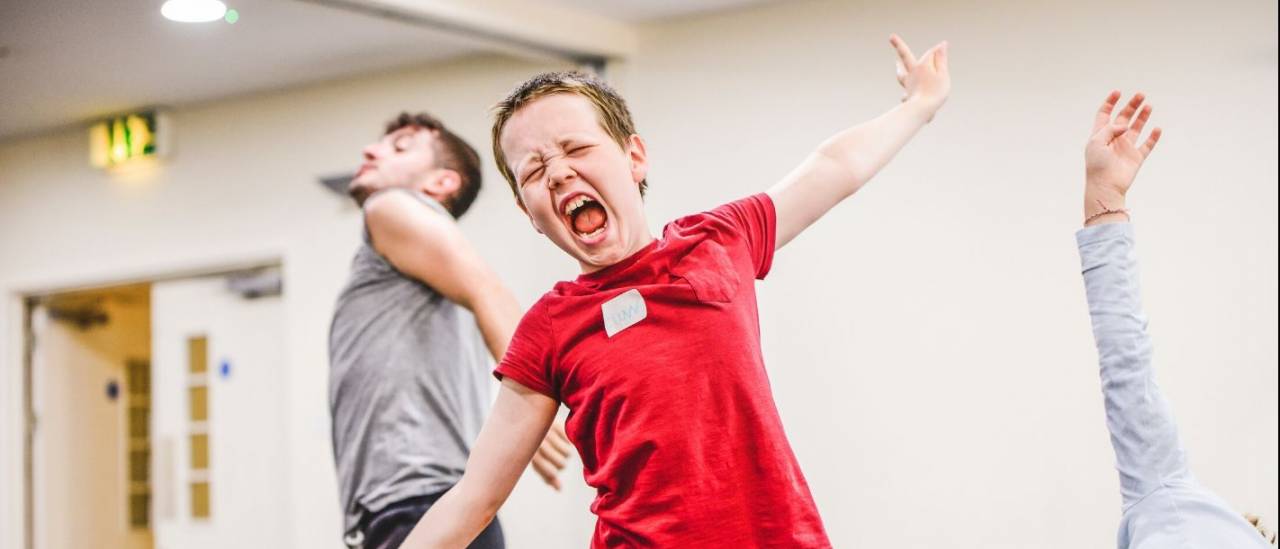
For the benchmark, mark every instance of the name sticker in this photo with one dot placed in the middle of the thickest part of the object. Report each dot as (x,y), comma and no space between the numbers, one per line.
(623,311)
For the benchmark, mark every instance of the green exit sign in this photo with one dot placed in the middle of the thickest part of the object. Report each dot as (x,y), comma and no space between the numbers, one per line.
(126,138)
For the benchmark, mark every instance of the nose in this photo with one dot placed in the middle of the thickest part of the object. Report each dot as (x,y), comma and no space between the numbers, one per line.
(560,173)
(371,151)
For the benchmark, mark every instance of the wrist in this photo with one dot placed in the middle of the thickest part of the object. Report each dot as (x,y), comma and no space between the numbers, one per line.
(1097,199)
(922,109)
(1103,218)
(1104,207)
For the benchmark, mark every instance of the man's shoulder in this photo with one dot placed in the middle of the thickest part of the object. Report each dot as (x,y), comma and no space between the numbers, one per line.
(397,202)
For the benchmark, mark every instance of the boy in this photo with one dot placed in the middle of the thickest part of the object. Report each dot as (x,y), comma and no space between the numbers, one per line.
(655,348)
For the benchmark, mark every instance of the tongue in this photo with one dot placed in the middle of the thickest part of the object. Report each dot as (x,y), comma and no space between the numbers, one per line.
(588,219)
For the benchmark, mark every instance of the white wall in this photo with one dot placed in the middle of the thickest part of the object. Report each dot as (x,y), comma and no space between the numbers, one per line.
(928,342)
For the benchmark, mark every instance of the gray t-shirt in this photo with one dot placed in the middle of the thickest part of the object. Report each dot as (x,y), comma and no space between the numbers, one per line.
(408,386)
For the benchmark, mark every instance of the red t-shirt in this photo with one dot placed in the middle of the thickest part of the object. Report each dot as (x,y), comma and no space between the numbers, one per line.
(673,416)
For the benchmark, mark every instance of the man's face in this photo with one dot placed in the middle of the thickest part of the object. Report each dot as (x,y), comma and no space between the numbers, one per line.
(576,184)
(400,159)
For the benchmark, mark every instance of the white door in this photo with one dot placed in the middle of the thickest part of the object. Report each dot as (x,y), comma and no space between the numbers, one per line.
(219,438)
(81,399)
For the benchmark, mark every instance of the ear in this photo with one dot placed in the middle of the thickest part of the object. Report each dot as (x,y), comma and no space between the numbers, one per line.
(520,204)
(441,184)
(638,157)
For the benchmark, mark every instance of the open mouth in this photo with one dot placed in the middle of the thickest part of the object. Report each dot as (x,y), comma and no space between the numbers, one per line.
(586,217)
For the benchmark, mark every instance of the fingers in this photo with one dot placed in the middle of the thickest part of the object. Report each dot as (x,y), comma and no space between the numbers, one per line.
(1135,129)
(1130,108)
(1151,142)
(1109,133)
(559,440)
(930,56)
(1104,112)
(940,59)
(902,74)
(547,471)
(904,53)
(554,455)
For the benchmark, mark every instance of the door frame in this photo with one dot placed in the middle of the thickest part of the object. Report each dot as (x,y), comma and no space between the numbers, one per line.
(16,366)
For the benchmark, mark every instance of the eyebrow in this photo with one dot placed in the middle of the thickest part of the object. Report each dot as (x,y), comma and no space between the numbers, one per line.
(406,131)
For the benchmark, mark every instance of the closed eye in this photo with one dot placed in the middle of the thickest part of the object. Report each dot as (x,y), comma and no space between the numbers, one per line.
(529,177)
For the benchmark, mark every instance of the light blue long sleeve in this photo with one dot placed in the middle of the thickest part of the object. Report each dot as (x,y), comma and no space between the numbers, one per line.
(1164,506)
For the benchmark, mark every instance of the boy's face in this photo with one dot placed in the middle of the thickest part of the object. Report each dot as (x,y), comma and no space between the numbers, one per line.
(401,158)
(576,184)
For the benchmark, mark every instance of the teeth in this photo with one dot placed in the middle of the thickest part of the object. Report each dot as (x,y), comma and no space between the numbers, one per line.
(574,204)
(593,233)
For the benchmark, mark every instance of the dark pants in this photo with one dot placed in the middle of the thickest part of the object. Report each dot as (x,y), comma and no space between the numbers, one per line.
(388,528)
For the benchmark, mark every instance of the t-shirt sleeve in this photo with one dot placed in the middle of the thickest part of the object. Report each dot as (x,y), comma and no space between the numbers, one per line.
(755,221)
(530,355)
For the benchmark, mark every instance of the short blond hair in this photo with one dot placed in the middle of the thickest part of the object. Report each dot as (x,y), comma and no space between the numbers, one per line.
(1257,523)
(611,110)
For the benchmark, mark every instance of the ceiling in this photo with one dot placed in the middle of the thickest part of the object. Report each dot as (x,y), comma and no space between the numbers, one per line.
(636,11)
(64,62)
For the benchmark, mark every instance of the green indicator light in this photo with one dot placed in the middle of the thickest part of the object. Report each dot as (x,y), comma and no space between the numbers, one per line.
(232,16)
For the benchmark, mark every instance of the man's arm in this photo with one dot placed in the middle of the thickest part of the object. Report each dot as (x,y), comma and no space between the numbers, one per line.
(428,246)
(1143,433)
(506,443)
(845,162)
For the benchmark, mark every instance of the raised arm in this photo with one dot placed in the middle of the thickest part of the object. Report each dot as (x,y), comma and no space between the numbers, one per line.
(846,161)
(428,246)
(1143,433)
(1163,504)
(507,441)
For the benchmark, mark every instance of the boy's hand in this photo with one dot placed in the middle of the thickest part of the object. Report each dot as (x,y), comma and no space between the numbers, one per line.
(552,455)
(1112,156)
(926,80)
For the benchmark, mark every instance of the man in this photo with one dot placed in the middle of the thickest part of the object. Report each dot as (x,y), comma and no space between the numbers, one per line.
(408,367)
(1164,506)
(655,347)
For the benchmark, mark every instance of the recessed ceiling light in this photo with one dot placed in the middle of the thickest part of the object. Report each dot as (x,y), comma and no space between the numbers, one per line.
(193,11)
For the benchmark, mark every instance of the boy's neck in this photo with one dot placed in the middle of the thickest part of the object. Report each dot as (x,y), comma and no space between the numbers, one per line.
(632,250)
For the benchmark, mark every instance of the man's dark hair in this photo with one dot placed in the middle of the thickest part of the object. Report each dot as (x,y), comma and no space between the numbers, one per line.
(451,153)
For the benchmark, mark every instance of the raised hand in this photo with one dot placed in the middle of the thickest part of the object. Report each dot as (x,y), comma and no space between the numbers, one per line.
(1113,154)
(925,79)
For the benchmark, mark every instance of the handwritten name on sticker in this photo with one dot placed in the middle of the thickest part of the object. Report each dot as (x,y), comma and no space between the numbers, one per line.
(623,311)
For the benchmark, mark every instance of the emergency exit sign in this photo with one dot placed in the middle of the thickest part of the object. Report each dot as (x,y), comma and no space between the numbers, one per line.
(125,138)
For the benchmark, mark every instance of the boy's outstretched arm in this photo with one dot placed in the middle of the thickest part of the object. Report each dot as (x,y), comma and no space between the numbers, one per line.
(507,442)
(844,162)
